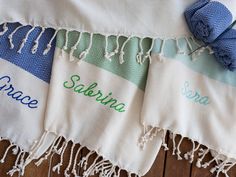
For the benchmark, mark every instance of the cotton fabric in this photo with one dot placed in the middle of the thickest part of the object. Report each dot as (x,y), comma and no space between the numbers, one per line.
(143,19)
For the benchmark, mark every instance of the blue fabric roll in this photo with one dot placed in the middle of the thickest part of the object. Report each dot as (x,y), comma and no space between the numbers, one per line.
(225,49)
(207,20)
(190,11)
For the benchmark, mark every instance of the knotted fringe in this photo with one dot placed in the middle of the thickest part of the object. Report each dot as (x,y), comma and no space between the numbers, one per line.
(108,55)
(223,165)
(149,134)
(5,28)
(119,49)
(21,155)
(24,40)
(89,164)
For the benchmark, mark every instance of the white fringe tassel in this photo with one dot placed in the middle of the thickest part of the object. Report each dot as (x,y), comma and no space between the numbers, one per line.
(19,165)
(99,165)
(116,50)
(49,45)
(121,56)
(10,37)
(222,167)
(36,42)
(25,40)
(75,46)
(103,167)
(140,53)
(140,58)
(5,29)
(148,53)
(86,51)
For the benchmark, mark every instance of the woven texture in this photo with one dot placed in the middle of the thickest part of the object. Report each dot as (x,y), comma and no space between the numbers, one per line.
(37,64)
(207,20)
(224,49)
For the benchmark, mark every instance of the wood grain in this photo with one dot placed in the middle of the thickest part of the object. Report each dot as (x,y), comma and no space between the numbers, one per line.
(174,167)
(165,165)
(158,167)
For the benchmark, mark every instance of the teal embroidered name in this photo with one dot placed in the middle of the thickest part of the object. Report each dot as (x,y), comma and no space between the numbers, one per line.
(91,91)
(194,95)
(7,88)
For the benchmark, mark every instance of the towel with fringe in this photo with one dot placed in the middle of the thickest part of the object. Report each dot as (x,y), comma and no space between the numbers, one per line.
(24,81)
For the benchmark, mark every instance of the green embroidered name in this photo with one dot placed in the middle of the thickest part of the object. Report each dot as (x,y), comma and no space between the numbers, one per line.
(90,91)
(194,95)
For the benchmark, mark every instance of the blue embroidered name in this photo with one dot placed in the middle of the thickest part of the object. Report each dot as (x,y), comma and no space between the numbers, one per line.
(7,88)
(194,95)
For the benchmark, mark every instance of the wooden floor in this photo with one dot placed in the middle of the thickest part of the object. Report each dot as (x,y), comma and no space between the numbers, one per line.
(166,165)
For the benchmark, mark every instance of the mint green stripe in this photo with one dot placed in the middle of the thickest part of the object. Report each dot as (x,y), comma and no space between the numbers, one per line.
(129,70)
(205,64)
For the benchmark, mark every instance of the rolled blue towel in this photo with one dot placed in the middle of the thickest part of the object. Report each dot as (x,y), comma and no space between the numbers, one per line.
(225,49)
(208,19)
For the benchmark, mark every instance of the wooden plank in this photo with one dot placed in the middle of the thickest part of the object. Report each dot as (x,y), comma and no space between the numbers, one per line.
(202,172)
(232,172)
(9,161)
(157,169)
(44,169)
(90,160)
(174,167)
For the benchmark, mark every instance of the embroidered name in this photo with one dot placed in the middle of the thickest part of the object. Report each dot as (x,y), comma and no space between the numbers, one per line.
(91,91)
(194,95)
(7,88)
